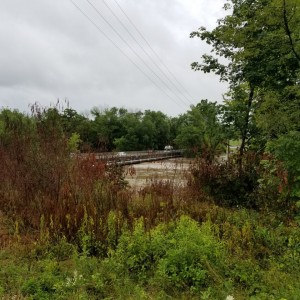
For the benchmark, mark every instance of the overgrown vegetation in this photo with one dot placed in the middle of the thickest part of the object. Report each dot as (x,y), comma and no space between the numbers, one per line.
(71,227)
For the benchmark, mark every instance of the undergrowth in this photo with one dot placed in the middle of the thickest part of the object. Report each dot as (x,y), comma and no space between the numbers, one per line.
(70,226)
(180,259)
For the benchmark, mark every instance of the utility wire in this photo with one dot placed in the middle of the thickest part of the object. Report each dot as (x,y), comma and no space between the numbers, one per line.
(143,49)
(153,51)
(134,51)
(116,45)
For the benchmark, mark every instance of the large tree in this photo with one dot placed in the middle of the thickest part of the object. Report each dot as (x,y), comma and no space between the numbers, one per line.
(255,49)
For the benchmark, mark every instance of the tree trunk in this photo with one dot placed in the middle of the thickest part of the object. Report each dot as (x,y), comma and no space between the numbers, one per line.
(288,30)
(245,129)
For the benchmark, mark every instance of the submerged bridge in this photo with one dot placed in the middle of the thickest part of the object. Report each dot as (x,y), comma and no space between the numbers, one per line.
(133,157)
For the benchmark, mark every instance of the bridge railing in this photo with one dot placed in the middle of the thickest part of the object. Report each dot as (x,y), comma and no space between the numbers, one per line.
(131,156)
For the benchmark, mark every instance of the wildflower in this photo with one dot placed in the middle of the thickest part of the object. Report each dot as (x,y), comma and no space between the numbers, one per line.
(229,297)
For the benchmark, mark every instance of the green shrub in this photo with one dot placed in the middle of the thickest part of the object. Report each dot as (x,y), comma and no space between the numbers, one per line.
(134,251)
(194,253)
(62,250)
(10,270)
(42,285)
(247,274)
(286,150)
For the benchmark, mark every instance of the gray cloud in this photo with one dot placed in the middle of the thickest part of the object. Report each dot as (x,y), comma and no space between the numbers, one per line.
(49,50)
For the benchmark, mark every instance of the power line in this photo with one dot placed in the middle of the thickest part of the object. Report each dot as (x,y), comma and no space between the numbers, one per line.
(116,45)
(134,51)
(153,51)
(143,49)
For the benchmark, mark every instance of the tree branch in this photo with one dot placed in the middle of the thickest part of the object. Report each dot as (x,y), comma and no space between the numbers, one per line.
(288,31)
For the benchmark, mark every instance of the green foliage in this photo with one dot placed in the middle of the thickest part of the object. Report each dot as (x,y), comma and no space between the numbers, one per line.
(202,133)
(181,255)
(258,40)
(272,191)
(74,142)
(237,253)
(14,127)
(238,118)
(42,287)
(10,279)
(156,130)
(109,129)
(286,148)
(279,112)
(128,131)
(191,257)
(247,274)
(61,250)
(70,197)
(149,130)
(134,251)
(253,39)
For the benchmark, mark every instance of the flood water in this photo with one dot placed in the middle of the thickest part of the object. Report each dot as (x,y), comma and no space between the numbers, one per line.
(172,169)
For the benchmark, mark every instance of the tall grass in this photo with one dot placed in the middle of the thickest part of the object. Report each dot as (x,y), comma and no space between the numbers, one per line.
(40,182)
(51,193)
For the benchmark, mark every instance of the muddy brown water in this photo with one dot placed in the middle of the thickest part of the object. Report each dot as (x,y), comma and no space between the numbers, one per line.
(174,170)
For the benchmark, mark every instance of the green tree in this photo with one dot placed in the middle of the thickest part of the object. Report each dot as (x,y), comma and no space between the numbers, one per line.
(107,126)
(202,133)
(279,112)
(76,124)
(258,40)
(238,118)
(175,125)
(156,129)
(130,139)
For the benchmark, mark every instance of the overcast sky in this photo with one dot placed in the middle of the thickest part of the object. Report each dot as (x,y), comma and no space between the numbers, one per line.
(56,49)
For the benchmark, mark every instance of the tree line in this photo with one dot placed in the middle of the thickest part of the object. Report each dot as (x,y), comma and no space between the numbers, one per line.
(118,129)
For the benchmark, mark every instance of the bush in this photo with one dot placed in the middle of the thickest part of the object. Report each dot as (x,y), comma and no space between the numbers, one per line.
(181,255)
(138,251)
(194,258)
(229,184)
(286,150)
(42,286)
